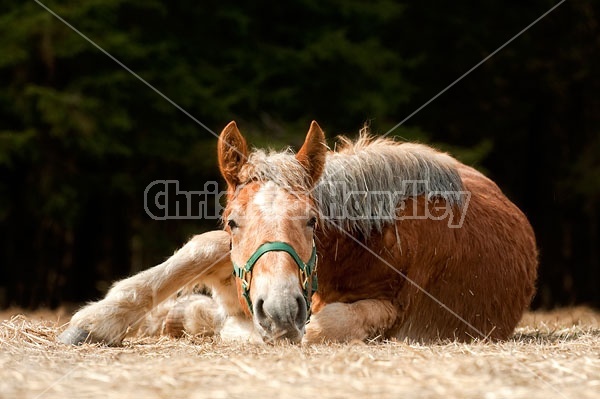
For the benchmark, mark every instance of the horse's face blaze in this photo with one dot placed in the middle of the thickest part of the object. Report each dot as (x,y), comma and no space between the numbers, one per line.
(260,212)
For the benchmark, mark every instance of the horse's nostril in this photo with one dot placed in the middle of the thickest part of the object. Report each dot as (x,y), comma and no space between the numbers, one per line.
(259,309)
(301,313)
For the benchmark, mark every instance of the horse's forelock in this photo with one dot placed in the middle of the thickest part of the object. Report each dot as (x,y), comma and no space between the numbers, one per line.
(281,168)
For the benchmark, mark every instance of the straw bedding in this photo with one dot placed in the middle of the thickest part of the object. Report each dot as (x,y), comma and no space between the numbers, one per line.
(552,355)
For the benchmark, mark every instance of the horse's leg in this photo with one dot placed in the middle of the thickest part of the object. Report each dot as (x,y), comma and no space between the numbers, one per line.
(223,313)
(192,313)
(154,322)
(128,301)
(196,314)
(203,315)
(343,322)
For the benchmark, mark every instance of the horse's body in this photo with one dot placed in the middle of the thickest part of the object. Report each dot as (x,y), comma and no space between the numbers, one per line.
(411,244)
(484,271)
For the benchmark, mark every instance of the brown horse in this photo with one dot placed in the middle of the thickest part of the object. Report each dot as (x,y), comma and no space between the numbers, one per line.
(411,244)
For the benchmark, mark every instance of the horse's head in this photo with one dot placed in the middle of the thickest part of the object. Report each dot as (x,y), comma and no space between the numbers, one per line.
(272,219)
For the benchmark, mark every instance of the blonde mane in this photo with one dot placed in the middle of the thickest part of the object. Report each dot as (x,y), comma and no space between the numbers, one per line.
(364,181)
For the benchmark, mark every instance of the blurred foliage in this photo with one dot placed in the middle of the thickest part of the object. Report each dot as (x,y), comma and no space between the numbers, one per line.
(81,138)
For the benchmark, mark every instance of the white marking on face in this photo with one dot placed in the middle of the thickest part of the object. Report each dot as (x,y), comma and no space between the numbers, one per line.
(276,284)
(276,204)
(271,201)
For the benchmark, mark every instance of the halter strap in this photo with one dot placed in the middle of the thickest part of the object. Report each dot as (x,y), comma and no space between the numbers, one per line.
(309,281)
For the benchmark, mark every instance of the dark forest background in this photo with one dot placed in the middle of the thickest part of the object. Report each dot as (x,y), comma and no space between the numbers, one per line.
(81,138)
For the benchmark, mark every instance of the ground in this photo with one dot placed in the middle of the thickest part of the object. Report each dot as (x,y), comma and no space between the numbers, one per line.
(553,354)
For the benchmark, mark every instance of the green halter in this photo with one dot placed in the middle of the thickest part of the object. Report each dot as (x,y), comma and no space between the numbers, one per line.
(308,280)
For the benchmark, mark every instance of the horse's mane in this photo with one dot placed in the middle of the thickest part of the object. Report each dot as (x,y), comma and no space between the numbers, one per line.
(364,181)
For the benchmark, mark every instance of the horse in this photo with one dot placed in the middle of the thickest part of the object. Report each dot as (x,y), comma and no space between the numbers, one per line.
(376,239)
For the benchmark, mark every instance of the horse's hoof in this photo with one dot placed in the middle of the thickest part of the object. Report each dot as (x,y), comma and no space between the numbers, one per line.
(75,336)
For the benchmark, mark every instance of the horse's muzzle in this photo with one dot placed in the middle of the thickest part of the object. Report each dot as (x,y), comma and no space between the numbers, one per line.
(281,317)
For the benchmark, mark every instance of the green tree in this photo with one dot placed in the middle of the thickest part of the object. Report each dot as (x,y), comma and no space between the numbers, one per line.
(80,137)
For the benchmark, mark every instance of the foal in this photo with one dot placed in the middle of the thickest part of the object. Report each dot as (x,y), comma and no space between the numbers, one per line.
(407,243)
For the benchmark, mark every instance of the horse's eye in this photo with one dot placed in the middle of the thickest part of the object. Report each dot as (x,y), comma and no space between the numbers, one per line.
(312,222)
(232,224)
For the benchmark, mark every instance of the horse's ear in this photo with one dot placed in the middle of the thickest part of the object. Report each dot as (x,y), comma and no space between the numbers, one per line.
(233,153)
(313,152)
